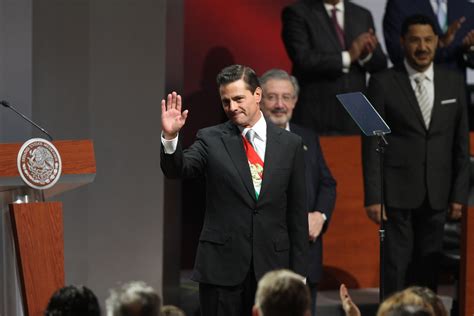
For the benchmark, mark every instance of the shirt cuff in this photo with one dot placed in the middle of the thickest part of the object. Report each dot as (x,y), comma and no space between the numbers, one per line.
(169,145)
(362,62)
(346,61)
(324,217)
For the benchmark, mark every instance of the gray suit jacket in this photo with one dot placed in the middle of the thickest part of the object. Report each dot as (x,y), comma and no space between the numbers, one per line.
(239,230)
(419,163)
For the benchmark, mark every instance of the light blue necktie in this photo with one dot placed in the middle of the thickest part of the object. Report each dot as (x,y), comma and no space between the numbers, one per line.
(442,16)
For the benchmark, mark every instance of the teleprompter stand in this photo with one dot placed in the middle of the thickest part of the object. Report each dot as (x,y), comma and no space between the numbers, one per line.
(371,124)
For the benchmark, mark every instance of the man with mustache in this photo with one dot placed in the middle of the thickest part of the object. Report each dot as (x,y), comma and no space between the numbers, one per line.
(426,170)
(280,94)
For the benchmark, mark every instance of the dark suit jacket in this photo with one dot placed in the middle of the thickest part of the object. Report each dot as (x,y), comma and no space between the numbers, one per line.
(312,45)
(419,163)
(320,194)
(272,231)
(397,10)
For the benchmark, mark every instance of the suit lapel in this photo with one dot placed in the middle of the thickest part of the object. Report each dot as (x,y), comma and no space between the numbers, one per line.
(401,77)
(438,96)
(272,150)
(232,140)
(325,22)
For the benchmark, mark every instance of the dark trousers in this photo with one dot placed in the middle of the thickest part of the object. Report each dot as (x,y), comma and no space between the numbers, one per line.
(413,245)
(313,288)
(236,300)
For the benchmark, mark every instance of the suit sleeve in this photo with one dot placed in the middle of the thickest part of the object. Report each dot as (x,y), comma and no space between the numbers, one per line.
(370,158)
(379,60)
(297,215)
(461,159)
(189,163)
(326,197)
(392,24)
(306,58)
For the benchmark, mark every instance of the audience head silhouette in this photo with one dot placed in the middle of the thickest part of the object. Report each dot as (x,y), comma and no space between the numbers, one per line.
(282,293)
(134,299)
(73,301)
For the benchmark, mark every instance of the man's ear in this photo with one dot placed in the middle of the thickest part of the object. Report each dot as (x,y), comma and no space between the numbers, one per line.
(258,94)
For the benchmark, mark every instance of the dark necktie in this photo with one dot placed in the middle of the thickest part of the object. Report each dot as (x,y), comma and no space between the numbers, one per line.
(337,26)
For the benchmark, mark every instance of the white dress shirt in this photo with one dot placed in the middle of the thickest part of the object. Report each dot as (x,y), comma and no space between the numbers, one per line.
(260,140)
(346,57)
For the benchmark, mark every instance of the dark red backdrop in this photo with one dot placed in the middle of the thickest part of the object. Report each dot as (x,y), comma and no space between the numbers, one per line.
(216,34)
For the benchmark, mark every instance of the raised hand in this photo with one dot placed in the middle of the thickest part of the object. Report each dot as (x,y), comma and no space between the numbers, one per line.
(172,119)
(363,45)
(468,40)
(350,309)
(450,34)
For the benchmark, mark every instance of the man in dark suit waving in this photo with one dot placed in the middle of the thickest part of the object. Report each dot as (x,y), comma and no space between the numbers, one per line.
(255,219)
(280,93)
(426,167)
(332,46)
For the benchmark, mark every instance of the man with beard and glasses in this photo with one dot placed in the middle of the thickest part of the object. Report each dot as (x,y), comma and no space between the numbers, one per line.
(280,94)
(426,170)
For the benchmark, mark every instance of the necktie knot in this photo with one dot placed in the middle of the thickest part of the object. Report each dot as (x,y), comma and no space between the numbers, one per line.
(419,79)
(250,136)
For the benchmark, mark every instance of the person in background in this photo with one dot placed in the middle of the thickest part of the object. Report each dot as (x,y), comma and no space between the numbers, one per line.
(280,94)
(171,310)
(134,299)
(453,23)
(282,293)
(333,46)
(426,169)
(73,300)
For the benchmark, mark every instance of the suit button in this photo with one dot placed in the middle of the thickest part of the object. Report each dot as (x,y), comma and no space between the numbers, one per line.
(255,212)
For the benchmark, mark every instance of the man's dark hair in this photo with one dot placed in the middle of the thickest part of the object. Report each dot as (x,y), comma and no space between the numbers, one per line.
(414,20)
(236,72)
(73,301)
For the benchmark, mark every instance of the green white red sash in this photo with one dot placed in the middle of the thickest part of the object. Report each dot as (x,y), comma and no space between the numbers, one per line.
(255,164)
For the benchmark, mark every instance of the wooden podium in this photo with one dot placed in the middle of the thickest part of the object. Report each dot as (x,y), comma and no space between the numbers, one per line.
(37,227)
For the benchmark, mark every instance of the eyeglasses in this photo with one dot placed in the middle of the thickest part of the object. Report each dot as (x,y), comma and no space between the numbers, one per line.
(286,98)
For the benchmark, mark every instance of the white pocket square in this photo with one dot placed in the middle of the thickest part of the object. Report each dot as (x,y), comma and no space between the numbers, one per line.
(448,101)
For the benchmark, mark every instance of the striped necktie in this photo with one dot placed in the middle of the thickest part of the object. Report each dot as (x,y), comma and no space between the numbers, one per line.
(423,99)
(442,15)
